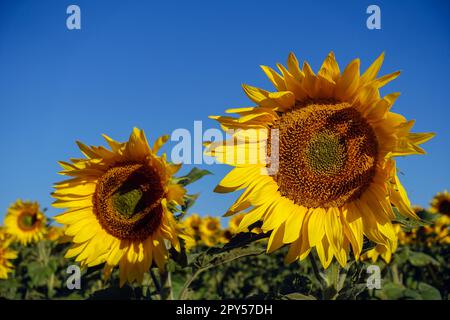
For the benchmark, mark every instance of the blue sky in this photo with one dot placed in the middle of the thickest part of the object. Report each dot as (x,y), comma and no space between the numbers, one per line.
(162,65)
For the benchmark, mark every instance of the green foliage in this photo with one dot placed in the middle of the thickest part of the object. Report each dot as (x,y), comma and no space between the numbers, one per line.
(240,269)
(193,175)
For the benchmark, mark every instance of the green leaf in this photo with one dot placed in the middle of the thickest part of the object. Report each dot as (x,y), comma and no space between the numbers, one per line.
(352,291)
(189,200)
(420,259)
(297,296)
(194,175)
(408,223)
(210,259)
(241,240)
(428,292)
(401,255)
(179,257)
(391,291)
(38,273)
(411,294)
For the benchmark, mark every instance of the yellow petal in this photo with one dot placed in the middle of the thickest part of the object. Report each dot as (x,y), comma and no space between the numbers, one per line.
(176,192)
(348,83)
(372,72)
(159,143)
(316,226)
(275,78)
(237,179)
(294,67)
(281,211)
(294,224)
(334,231)
(276,239)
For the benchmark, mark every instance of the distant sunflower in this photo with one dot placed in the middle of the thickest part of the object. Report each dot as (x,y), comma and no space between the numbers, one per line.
(336,176)
(210,226)
(192,224)
(55,233)
(234,222)
(210,230)
(6,255)
(225,236)
(418,209)
(25,222)
(117,206)
(441,204)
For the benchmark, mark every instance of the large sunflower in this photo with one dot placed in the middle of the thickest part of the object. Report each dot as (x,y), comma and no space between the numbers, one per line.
(6,255)
(117,206)
(333,138)
(25,222)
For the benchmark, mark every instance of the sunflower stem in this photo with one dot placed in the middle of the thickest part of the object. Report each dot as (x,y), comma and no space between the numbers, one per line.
(333,280)
(316,271)
(155,281)
(395,275)
(166,285)
(184,292)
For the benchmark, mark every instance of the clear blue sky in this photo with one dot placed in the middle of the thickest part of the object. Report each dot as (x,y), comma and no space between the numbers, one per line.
(160,65)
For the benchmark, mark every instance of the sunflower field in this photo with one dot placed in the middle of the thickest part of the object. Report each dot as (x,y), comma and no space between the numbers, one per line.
(321,212)
(219,263)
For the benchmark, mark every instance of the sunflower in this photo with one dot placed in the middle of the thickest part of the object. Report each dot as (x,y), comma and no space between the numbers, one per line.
(233,224)
(437,233)
(25,222)
(6,254)
(225,236)
(326,176)
(117,206)
(55,233)
(192,224)
(210,230)
(441,204)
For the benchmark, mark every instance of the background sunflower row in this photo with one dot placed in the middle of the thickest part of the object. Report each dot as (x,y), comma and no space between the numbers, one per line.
(32,263)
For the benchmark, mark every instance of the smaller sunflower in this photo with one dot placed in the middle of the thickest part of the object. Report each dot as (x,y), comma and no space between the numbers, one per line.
(210,231)
(441,204)
(437,233)
(55,233)
(117,204)
(192,224)
(405,237)
(234,222)
(225,236)
(6,255)
(418,209)
(25,222)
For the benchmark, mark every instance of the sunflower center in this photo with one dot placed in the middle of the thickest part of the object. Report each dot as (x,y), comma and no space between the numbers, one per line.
(127,201)
(211,226)
(126,204)
(27,220)
(444,207)
(327,154)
